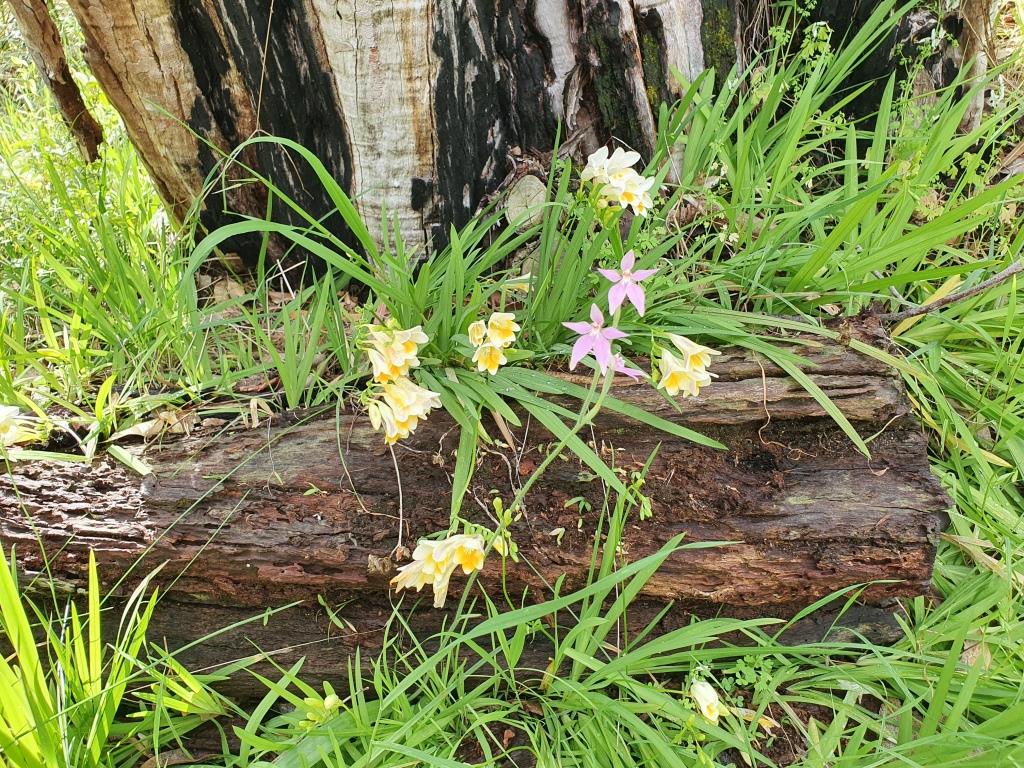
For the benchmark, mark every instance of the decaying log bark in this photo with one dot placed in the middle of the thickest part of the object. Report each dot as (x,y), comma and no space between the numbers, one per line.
(43,39)
(258,518)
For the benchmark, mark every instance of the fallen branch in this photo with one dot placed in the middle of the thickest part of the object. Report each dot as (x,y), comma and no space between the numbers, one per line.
(255,518)
(953,298)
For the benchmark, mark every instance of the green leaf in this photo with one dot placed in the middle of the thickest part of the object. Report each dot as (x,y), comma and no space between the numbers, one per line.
(130,460)
(582,451)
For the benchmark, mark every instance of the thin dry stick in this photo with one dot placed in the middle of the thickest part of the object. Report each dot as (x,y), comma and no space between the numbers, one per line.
(953,298)
(401,505)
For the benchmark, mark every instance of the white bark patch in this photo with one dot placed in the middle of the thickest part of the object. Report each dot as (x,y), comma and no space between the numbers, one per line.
(379,54)
(681,20)
(552,19)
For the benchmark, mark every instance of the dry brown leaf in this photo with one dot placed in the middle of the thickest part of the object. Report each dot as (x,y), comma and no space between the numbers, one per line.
(976,652)
(256,406)
(226,289)
(167,420)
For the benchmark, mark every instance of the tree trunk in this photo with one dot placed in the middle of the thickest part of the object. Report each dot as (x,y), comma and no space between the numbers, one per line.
(417,108)
(43,40)
(258,518)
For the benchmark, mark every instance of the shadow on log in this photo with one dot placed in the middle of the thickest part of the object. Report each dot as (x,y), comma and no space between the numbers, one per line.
(257,518)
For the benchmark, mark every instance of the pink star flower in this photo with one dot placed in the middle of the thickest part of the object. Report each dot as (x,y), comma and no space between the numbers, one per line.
(594,337)
(626,284)
(620,365)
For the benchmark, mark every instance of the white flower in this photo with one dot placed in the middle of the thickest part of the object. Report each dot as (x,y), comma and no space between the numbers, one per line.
(13,429)
(434,562)
(707,701)
(631,190)
(618,181)
(602,169)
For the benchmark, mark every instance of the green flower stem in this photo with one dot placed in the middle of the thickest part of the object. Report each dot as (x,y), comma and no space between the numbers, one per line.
(585,417)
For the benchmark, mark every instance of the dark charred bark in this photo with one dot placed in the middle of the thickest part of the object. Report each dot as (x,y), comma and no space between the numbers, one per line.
(416,110)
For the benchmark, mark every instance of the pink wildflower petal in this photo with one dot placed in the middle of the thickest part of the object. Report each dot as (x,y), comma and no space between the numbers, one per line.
(602,352)
(596,317)
(610,274)
(579,327)
(580,350)
(635,294)
(617,295)
(643,274)
(611,334)
(628,261)
(621,367)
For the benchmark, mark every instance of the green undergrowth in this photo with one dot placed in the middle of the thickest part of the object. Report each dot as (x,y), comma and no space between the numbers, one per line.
(780,213)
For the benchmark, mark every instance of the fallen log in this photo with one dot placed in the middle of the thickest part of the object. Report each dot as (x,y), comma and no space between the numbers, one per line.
(257,518)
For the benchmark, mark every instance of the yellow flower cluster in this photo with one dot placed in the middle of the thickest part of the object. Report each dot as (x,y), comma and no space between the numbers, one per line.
(618,181)
(688,373)
(398,403)
(492,339)
(393,351)
(400,406)
(434,562)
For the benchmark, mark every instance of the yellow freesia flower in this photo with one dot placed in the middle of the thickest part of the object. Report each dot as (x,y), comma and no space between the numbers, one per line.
(707,701)
(407,398)
(489,357)
(477,333)
(677,377)
(381,415)
(502,329)
(695,355)
(399,407)
(393,351)
(434,562)
(491,340)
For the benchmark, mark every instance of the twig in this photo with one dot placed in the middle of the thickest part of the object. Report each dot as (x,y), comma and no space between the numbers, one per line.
(401,504)
(953,298)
